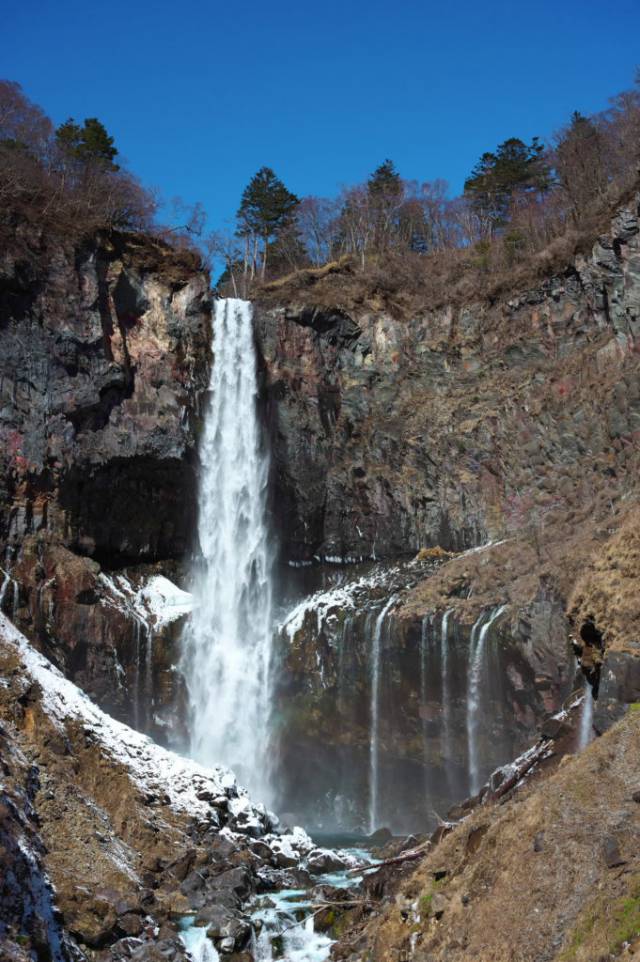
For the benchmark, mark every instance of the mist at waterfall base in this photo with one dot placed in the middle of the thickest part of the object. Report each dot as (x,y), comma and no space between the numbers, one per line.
(401,727)
(376,729)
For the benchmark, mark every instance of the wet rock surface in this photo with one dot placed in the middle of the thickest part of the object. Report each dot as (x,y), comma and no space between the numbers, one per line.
(458,692)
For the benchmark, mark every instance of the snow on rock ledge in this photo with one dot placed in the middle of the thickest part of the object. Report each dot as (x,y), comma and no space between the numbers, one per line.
(209,795)
(296,848)
(156,602)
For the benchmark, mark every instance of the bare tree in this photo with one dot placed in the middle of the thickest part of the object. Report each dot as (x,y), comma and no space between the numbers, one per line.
(316,221)
(225,245)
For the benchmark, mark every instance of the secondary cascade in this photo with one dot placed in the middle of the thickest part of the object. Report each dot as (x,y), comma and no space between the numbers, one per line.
(228,642)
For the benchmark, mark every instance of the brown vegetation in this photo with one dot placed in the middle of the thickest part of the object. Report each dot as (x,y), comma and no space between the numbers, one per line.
(43,182)
(551,873)
(401,245)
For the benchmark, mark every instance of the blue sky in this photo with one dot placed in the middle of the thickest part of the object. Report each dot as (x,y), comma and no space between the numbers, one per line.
(200,95)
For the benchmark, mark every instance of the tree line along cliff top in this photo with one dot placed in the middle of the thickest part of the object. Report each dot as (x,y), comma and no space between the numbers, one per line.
(525,211)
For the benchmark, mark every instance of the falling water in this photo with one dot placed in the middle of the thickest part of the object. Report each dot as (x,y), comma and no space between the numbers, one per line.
(445,693)
(427,625)
(198,944)
(136,678)
(585,730)
(148,671)
(5,584)
(228,644)
(6,572)
(480,632)
(375,716)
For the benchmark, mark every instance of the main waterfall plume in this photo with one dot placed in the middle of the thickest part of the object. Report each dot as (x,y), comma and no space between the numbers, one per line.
(228,643)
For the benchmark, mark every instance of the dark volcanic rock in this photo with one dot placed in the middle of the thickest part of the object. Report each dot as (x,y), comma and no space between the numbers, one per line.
(103,362)
(99,386)
(454,426)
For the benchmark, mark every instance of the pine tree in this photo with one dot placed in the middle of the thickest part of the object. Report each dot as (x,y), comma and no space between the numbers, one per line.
(515,166)
(89,143)
(266,209)
(385,191)
(385,181)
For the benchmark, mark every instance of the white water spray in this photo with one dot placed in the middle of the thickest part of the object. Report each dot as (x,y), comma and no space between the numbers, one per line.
(425,638)
(375,716)
(585,729)
(228,643)
(474,693)
(445,693)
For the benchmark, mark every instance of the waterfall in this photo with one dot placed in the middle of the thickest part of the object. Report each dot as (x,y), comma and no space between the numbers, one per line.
(228,643)
(7,579)
(16,601)
(425,637)
(445,694)
(5,584)
(147,631)
(585,729)
(474,693)
(375,716)
(136,678)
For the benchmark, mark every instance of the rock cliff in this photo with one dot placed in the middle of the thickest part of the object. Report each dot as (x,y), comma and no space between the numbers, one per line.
(460,425)
(104,356)
(511,424)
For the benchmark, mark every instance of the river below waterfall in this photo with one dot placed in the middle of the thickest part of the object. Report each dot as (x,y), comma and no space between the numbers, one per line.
(284,922)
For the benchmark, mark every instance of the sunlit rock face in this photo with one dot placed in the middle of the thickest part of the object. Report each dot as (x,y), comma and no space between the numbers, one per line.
(383,719)
(455,425)
(103,362)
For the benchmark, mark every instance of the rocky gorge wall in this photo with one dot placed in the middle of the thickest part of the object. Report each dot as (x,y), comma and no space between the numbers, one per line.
(511,424)
(454,426)
(104,356)
(387,714)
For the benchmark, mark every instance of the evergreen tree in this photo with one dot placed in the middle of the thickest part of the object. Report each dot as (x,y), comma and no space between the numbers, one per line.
(267,208)
(385,191)
(87,143)
(515,166)
(385,182)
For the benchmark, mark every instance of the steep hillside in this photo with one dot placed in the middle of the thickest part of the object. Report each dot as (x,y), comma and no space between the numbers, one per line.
(549,874)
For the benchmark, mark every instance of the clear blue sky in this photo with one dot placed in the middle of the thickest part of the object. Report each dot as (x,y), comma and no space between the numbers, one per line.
(200,95)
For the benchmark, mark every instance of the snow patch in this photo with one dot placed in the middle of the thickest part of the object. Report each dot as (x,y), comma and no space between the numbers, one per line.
(155,603)
(341,598)
(188,786)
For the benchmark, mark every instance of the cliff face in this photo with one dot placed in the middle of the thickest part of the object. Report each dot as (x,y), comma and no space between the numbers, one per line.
(455,427)
(434,700)
(104,354)
(514,425)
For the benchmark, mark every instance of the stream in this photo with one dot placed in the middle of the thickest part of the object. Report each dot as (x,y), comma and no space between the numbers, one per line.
(283,922)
